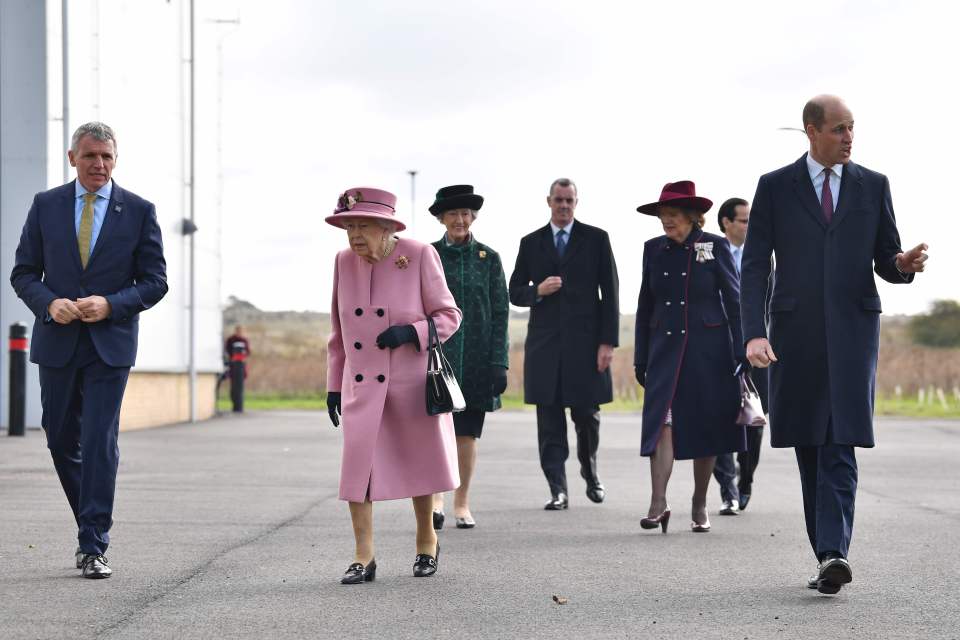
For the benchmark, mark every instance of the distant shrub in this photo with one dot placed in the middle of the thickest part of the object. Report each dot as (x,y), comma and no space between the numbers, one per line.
(940,328)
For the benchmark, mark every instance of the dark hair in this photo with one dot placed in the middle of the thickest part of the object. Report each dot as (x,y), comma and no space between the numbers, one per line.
(814,113)
(728,210)
(563,182)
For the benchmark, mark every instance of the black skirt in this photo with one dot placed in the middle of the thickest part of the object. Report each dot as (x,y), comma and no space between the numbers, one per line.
(469,422)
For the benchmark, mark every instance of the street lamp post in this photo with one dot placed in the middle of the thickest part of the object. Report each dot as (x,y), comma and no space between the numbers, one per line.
(413,202)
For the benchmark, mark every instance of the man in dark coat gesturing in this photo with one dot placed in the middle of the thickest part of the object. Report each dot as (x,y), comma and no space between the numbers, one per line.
(567,275)
(830,224)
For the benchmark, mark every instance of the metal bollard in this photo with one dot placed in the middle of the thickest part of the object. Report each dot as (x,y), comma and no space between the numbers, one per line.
(18,378)
(238,370)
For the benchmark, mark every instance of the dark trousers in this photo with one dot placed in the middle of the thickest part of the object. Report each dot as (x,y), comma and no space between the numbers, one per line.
(81,418)
(725,473)
(749,459)
(828,476)
(554,450)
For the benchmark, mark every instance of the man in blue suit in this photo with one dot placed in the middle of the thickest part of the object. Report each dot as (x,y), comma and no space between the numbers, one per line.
(90,259)
(830,224)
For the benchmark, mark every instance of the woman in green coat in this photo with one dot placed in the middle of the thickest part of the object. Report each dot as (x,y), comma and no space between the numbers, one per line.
(478,350)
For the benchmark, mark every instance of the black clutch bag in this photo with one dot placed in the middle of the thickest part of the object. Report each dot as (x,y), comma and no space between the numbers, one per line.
(443,392)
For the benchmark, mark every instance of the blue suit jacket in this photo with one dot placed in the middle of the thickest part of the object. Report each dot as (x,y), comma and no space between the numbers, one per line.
(824,306)
(126,267)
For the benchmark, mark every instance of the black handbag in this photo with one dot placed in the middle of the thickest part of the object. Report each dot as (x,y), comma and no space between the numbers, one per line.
(751,409)
(443,392)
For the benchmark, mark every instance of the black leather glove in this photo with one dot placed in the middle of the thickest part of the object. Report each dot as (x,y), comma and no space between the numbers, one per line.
(397,335)
(498,379)
(333,407)
(641,376)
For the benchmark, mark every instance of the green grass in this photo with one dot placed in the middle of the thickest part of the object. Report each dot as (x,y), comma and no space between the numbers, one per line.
(885,406)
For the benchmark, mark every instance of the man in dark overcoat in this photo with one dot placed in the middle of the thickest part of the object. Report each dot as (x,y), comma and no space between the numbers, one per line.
(733,218)
(567,275)
(90,260)
(830,223)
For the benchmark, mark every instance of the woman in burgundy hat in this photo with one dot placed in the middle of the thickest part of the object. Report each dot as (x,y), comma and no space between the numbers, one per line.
(384,289)
(687,345)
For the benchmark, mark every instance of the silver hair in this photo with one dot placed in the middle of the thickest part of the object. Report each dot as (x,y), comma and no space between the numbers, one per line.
(564,182)
(473,214)
(97,130)
(389,225)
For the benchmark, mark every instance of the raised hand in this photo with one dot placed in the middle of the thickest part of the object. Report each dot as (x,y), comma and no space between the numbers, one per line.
(912,261)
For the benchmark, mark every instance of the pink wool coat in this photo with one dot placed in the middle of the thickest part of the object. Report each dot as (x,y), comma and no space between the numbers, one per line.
(391,447)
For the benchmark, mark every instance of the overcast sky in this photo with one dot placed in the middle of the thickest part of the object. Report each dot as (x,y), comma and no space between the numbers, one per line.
(507,96)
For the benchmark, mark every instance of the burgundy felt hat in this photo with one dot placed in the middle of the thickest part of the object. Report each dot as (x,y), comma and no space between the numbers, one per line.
(365,202)
(682,194)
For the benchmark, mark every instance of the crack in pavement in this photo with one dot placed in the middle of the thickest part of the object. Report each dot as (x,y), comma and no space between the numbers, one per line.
(138,609)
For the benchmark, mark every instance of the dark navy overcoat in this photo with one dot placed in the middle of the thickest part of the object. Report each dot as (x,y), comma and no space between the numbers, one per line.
(824,307)
(687,344)
(565,329)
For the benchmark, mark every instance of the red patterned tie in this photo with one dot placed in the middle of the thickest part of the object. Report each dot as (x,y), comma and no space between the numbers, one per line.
(826,200)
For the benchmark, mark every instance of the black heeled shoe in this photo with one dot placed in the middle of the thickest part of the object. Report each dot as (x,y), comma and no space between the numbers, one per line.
(425,565)
(357,573)
(661,520)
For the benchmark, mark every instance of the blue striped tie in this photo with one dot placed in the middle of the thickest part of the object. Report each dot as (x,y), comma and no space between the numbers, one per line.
(561,242)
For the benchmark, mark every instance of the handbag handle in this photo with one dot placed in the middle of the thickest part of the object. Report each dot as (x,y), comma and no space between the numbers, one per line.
(433,338)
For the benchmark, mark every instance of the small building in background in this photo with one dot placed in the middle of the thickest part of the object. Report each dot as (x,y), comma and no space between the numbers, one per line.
(128,65)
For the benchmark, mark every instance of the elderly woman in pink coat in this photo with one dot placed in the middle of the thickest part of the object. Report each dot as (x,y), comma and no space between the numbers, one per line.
(384,289)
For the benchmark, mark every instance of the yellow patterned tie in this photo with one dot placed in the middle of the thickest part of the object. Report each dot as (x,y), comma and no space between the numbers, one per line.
(86,228)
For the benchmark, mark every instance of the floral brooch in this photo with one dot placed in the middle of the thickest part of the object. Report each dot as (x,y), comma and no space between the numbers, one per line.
(402,262)
(348,201)
(483,254)
(704,251)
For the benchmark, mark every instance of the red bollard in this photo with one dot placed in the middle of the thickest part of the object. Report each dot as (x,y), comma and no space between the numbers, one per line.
(18,379)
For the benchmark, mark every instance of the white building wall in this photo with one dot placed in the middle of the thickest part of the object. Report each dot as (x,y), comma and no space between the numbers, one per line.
(128,67)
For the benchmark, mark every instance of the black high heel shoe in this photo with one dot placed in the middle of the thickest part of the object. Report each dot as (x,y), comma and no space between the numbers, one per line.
(661,520)
(357,573)
(425,565)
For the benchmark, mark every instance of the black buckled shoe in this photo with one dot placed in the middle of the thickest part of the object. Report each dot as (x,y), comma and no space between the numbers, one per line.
(425,565)
(358,574)
(557,502)
(94,566)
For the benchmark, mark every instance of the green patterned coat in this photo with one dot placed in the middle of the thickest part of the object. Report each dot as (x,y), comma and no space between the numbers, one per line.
(476,279)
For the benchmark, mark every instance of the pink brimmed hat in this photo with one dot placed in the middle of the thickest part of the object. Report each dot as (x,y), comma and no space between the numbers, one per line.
(682,194)
(365,202)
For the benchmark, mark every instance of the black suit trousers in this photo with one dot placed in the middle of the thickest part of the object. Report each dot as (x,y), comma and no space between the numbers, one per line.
(81,419)
(554,450)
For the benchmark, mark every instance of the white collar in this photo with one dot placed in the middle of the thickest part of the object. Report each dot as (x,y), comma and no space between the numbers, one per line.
(556,229)
(815,168)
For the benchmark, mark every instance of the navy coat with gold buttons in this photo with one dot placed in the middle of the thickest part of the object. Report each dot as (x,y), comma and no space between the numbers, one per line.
(687,344)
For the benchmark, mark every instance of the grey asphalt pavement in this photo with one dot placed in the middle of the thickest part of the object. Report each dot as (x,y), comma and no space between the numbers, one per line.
(232,529)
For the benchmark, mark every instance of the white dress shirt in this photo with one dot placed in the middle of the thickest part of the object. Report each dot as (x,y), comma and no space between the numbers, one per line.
(556,230)
(816,176)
